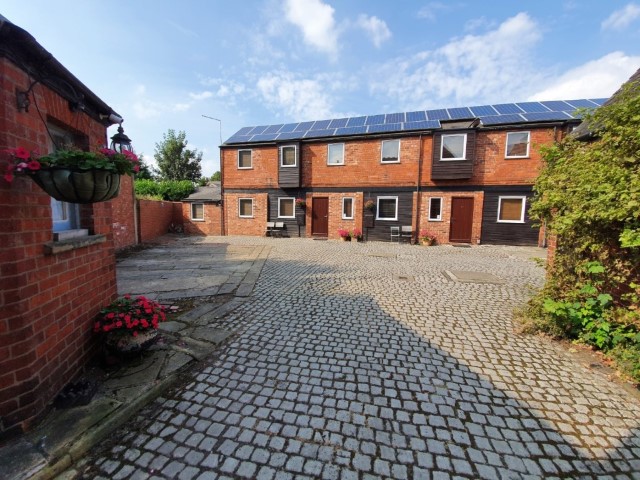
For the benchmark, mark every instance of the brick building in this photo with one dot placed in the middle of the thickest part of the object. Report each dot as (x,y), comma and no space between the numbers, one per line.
(202,211)
(50,289)
(465,174)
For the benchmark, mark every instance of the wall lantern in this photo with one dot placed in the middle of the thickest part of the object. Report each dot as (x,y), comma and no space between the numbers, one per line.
(120,142)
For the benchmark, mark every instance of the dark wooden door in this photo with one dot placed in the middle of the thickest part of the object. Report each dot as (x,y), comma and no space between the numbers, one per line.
(461,219)
(320,216)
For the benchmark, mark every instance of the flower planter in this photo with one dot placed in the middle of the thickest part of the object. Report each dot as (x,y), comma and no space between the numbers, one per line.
(427,243)
(124,344)
(78,186)
(345,239)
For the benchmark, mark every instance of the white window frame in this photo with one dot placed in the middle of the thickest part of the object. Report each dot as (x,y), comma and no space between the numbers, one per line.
(196,219)
(239,210)
(293,200)
(438,218)
(522,209)
(464,147)
(378,217)
(506,145)
(353,207)
(329,154)
(295,156)
(382,150)
(250,157)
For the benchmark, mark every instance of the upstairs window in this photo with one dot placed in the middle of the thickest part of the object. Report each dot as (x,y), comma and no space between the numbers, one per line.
(390,151)
(511,209)
(435,209)
(286,208)
(335,154)
(454,147)
(288,156)
(244,159)
(517,145)
(387,208)
(347,208)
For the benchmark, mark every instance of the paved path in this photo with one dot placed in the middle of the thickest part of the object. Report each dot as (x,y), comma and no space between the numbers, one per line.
(362,361)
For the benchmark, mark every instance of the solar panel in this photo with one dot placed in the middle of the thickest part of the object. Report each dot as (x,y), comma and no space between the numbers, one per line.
(239,138)
(374,119)
(264,137)
(338,123)
(422,125)
(440,114)
(543,116)
(582,103)
(351,130)
(483,110)
(558,106)
(319,133)
(258,130)
(459,113)
(599,101)
(394,118)
(273,129)
(289,136)
(532,107)
(507,108)
(416,116)
(385,127)
(321,125)
(289,127)
(356,121)
(501,119)
(304,126)
(243,131)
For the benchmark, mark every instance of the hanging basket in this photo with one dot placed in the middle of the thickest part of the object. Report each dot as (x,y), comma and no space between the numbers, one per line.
(78,186)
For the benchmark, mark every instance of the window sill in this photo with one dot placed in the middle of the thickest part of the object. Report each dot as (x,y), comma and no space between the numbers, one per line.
(197,219)
(245,168)
(517,158)
(54,248)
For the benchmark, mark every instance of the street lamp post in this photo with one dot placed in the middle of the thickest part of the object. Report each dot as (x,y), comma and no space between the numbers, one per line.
(217,120)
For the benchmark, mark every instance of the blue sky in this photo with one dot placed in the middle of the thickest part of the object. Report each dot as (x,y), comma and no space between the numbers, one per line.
(164,64)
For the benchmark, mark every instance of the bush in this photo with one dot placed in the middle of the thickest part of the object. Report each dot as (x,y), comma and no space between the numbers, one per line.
(171,190)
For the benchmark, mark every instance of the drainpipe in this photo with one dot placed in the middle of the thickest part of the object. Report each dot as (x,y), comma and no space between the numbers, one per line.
(222,202)
(418,201)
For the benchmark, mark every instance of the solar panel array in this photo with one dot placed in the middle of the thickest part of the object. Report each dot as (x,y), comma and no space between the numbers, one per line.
(499,114)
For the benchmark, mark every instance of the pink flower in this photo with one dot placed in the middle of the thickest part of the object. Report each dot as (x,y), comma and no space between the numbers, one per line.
(135,333)
(34,165)
(8,177)
(21,166)
(22,153)
(136,168)
(108,152)
(127,296)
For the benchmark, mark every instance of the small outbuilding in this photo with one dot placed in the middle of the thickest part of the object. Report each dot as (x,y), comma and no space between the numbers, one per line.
(201,211)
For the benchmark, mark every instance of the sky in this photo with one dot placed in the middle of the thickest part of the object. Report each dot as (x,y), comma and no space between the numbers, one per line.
(164,64)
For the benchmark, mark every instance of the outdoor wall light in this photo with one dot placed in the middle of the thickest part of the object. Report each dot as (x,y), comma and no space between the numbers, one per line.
(22,100)
(120,142)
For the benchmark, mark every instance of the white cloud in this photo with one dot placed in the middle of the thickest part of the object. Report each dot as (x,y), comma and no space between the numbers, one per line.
(430,10)
(622,18)
(595,79)
(494,66)
(376,29)
(315,19)
(201,96)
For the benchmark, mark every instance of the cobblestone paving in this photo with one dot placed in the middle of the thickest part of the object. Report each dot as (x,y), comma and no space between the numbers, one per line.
(365,361)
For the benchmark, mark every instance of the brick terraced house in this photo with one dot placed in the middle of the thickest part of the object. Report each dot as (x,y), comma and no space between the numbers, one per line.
(465,174)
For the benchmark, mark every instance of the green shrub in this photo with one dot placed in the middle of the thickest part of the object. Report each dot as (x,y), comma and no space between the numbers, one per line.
(172,190)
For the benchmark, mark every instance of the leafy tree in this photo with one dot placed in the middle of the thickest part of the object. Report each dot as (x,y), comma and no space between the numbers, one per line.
(146,171)
(216,177)
(172,190)
(176,161)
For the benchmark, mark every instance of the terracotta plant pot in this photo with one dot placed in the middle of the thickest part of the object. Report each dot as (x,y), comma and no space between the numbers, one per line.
(78,186)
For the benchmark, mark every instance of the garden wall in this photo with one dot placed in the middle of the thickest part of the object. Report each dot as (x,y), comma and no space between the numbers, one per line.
(155,218)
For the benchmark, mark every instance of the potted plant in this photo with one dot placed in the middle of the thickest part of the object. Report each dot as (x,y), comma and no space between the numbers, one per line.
(129,325)
(369,213)
(357,234)
(301,202)
(73,176)
(345,235)
(427,238)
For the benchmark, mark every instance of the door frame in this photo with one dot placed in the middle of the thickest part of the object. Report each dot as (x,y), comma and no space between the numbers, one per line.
(470,201)
(314,221)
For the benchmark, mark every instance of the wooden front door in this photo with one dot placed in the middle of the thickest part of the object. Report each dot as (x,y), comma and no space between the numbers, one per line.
(320,216)
(461,219)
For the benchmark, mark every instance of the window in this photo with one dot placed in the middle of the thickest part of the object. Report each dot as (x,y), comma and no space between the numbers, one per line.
(387,208)
(517,145)
(245,207)
(347,208)
(435,209)
(454,147)
(65,216)
(197,211)
(286,208)
(511,209)
(288,156)
(244,159)
(390,151)
(335,154)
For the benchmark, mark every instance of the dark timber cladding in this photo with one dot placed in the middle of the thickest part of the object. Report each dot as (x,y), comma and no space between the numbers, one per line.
(382,229)
(289,165)
(453,169)
(497,233)
(291,225)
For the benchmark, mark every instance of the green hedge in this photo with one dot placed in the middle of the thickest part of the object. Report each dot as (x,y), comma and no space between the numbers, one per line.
(172,190)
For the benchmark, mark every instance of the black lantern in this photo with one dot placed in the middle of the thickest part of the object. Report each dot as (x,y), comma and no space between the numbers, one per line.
(120,142)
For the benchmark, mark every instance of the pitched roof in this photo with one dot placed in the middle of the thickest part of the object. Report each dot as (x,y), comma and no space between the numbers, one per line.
(208,193)
(416,121)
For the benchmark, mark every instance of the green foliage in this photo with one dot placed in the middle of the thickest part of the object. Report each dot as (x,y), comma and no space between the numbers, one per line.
(166,190)
(146,171)
(216,177)
(175,161)
(203,182)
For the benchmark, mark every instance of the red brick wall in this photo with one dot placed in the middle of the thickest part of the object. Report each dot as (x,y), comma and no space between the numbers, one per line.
(123,209)
(264,171)
(155,218)
(442,228)
(48,301)
(235,225)
(211,225)
(335,213)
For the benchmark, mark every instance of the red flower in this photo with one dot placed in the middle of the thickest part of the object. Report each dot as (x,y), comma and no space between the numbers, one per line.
(135,333)
(127,296)
(22,153)
(33,165)
(8,177)
(136,168)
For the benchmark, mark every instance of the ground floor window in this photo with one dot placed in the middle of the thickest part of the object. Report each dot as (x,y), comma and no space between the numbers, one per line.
(347,208)
(435,209)
(286,208)
(511,209)
(387,208)
(245,207)
(197,211)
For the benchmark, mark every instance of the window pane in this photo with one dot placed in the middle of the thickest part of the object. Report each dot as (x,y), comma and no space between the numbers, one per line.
(246,207)
(289,156)
(244,159)
(286,207)
(517,144)
(435,208)
(347,208)
(511,209)
(387,208)
(197,211)
(390,150)
(453,146)
(336,154)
